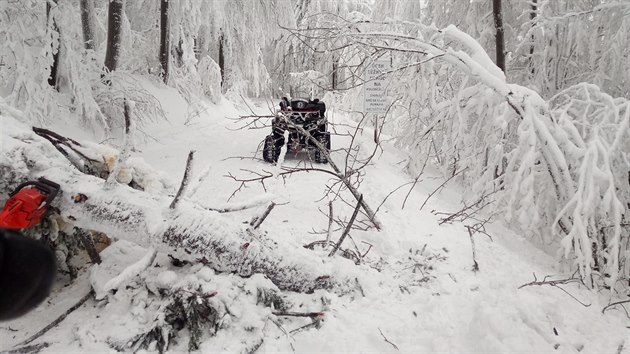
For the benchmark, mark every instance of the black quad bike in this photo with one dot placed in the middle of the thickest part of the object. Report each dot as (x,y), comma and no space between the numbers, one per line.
(309,115)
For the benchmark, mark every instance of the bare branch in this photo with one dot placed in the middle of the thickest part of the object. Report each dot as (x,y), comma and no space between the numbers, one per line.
(348,227)
(258,220)
(387,340)
(441,186)
(58,320)
(184,184)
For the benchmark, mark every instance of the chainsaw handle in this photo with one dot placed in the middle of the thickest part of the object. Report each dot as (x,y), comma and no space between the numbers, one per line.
(50,188)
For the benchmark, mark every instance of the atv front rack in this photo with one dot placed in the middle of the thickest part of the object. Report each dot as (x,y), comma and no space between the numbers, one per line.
(300,117)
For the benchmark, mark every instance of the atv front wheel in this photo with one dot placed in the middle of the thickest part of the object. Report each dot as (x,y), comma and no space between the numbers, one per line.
(272,147)
(324,139)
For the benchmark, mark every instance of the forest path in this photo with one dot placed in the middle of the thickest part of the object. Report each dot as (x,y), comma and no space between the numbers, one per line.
(430,301)
(456,309)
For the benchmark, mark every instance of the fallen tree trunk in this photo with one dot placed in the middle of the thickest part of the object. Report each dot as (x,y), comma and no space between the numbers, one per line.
(143,218)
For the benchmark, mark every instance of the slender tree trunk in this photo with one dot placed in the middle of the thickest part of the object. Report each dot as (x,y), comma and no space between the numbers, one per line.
(87,23)
(54,68)
(165,40)
(222,58)
(335,74)
(114,34)
(499,40)
(532,17)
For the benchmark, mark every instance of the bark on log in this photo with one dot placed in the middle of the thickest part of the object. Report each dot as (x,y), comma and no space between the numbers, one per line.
(146,219)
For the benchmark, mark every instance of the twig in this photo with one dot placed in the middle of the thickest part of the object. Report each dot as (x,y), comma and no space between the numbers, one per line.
(415,181)
(441,186)
(30,349)
(58,320)
(615,304)
(368,250)
(475,267)
(390,194)
(184,183)
(330,222)
(277,323)
(464,213)
(387,340)
(348,227)
(298,314)
(557,283)
(257,221)
(312,245)
(550,282)
(307,326)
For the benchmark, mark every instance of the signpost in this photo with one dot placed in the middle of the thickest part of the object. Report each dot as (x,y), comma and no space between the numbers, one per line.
(375,100)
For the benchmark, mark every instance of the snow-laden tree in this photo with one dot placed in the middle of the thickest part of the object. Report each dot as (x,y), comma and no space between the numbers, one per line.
(29,45)
(567,42)
(294,57)
(550,44)
(38,33)
(557,169)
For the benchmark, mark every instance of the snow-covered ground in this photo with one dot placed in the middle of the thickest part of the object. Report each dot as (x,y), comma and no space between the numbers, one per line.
(420,293)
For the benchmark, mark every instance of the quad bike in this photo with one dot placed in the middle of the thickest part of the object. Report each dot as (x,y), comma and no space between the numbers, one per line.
(309,115)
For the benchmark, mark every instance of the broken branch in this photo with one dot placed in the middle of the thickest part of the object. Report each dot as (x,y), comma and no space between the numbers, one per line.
(348,227)
(184,183)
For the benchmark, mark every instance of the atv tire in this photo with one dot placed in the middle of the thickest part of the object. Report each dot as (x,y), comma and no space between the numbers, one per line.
(324,139)
(272,147)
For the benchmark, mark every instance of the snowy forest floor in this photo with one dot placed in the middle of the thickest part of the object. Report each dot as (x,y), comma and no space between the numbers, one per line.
(424,296)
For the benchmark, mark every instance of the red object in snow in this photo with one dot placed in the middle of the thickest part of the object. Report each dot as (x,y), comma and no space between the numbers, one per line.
(27,204)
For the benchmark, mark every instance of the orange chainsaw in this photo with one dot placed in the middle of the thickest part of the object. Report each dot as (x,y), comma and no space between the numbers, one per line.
(28,203)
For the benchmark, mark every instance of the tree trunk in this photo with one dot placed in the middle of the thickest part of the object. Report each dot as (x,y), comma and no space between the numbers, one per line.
(114,34)
(165,39)
(532,17)
(54,68)
(145,219)
(499,40)
(335,74)
(87,23)
(222,58)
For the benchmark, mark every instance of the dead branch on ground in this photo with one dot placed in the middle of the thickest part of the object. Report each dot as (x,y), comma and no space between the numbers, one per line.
(556,283)
(58,320)
(387,340)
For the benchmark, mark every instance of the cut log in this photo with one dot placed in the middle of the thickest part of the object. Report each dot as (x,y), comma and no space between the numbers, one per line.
(143,218)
